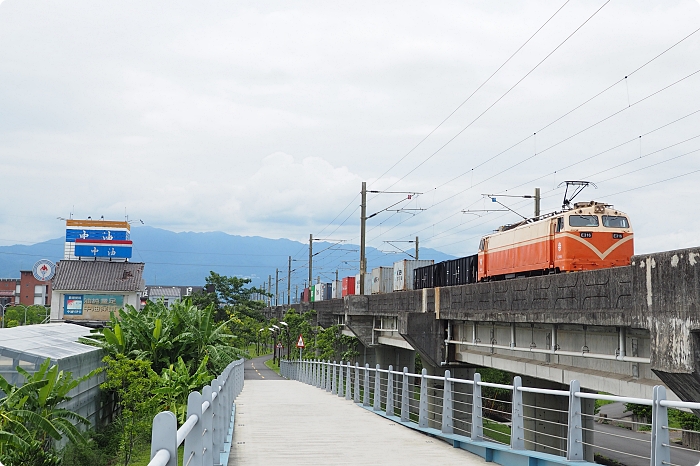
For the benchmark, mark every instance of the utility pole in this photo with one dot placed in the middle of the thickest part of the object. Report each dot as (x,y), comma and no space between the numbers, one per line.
(289,281)
(537,202)
(277,287)
(363,221)
(296,294)
(311,259)
(416,248)
(269,289)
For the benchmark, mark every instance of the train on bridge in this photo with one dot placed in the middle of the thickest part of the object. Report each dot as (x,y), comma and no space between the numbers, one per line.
(588,236)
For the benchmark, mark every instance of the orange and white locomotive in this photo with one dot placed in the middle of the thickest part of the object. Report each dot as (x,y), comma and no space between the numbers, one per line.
(589,236)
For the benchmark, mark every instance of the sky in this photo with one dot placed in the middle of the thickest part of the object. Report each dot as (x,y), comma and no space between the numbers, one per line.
(264,118)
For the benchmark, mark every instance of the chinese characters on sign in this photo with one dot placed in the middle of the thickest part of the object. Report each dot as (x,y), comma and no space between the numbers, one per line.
(91,306)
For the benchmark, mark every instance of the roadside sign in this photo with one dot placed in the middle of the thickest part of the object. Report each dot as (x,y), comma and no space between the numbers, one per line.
(279,345)
(300,342)
(44,270)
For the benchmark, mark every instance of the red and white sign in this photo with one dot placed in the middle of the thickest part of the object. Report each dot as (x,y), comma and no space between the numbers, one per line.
(300,342)
(279,346)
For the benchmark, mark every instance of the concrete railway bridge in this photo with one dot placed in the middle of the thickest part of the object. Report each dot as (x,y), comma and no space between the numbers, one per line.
(630,332)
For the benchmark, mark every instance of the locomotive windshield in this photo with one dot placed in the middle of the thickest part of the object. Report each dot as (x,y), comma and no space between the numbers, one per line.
(614,221)
(583,220)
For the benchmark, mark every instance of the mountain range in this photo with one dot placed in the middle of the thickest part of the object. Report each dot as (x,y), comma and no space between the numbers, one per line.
(186,258)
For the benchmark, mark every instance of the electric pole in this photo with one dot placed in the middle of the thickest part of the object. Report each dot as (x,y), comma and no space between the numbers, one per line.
(277,289)
(289,281)
(363,221)
(537,202)
(269,291)
(416,248)
(311,259)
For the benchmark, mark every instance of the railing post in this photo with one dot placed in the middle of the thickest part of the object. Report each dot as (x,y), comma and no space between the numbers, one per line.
(390,392)
(327,376)
(164,436)
(660,450)
(447,406)
(207,429)
(517,431)
(334,385)
(193,442)
(477,418)
(340,379)
(574,443)
(356,394)
(405,417)
(377,390)
(348,381)
(216,422)
(423,402)
(365,397)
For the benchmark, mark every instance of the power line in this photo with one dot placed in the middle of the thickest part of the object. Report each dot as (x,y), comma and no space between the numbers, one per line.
(501,97)
(472,94)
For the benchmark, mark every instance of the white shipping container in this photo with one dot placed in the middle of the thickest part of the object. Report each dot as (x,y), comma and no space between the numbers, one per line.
(382,280)
(368,283)
(318,291)
(403,273)
(337,292)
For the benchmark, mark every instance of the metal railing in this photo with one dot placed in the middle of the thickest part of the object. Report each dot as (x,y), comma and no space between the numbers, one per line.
(485,417)
(209,426)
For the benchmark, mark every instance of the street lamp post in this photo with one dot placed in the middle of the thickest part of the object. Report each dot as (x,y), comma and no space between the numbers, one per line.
(286,327)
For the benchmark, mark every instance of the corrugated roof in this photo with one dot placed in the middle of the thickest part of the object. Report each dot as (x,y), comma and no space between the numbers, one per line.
(55,341)
(76,275)
(164,291)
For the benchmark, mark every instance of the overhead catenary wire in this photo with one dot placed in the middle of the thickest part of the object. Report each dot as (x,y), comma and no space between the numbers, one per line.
(552,146)
(501,97)
(473,92)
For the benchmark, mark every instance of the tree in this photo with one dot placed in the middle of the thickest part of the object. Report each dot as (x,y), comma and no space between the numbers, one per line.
(134,383)
(222,291)
(30,419)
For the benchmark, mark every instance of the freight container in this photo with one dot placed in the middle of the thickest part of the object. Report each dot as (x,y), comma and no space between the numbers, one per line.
(312,293)
(403,273)
(382,280)
(368,283)
(319,289)
(348,286)
(337,289)
(461,271)
(425,277)
(305,295)
(327,291)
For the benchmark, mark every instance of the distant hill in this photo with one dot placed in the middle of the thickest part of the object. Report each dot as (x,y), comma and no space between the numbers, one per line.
(186,258)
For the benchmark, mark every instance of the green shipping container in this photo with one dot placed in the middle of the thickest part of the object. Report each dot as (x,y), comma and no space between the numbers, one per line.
(312,293)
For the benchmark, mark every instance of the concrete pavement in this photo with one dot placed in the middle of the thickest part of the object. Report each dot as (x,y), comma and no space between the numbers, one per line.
(290,423)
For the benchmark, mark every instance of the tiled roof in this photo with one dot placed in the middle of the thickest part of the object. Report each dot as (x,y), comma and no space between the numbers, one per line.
(76,275)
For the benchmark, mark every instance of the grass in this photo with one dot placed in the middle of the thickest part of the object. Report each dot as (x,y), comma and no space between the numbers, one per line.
(143,456)
(252,350)
(501,434)
(272,365)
